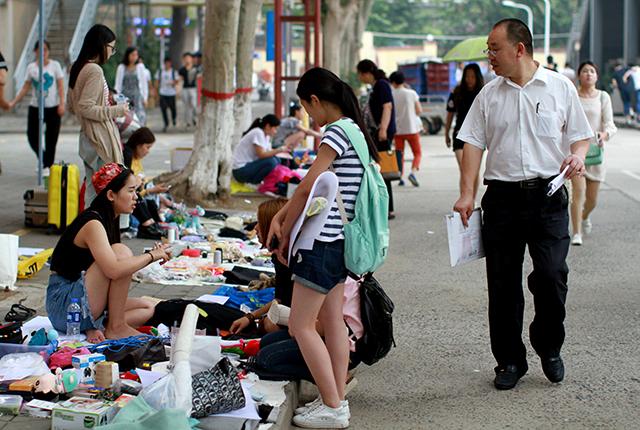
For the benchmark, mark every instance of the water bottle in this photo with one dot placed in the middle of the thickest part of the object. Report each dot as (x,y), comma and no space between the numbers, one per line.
(73,318)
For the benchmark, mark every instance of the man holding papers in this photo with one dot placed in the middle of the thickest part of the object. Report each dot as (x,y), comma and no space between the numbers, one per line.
(531,123)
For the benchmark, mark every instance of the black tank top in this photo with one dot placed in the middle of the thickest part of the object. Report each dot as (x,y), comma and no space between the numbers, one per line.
(68,259)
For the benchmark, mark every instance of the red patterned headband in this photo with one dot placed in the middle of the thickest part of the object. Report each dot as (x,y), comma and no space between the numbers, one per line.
(103,177)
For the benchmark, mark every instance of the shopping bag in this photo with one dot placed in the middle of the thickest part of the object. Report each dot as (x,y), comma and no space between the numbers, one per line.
(389,164)
(8,260)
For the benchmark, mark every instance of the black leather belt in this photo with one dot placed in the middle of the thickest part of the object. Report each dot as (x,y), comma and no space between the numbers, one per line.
(529,184)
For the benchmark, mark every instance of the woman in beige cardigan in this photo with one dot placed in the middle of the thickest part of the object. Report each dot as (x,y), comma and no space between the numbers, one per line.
(89,101)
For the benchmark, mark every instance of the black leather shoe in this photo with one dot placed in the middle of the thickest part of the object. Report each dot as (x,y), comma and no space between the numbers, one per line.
(553,369)
(508,376)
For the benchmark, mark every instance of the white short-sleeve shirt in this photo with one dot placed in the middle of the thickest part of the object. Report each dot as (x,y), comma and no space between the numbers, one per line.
(50,74)
(245,152)
(527,131)
(404,101)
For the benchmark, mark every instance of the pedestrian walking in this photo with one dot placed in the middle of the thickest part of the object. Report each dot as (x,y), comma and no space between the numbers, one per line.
(625,88)
(132,81)
(407,104)
(532,125)
(382,112)
(459,103)
(597,107)
(188,77)
(632,77)
(88,99)
(319,274)
(166,80)
(53,88)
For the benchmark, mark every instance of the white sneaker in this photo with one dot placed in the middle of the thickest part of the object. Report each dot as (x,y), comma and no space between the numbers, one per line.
(586,226)
(577,239)
(314,404)
(324,417)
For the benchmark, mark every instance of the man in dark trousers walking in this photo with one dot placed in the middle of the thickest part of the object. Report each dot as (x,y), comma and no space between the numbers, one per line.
(530,121)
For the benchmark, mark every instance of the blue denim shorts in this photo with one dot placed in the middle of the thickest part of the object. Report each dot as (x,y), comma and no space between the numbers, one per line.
(320,268)
(59,294)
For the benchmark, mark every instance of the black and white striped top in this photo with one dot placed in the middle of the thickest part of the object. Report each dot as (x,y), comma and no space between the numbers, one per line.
(349,170)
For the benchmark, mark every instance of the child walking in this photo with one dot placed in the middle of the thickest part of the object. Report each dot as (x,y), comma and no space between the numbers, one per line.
(319,274)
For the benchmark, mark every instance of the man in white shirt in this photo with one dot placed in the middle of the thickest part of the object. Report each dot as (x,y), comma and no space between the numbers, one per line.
(532,125)
(408,109)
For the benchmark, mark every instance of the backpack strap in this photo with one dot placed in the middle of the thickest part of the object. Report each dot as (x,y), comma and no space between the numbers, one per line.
(341,209)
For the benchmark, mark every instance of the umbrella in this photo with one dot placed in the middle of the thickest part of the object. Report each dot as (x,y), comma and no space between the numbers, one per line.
(468,50)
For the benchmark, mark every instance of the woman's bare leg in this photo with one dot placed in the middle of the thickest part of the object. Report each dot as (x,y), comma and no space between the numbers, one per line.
(578,186)
(335,336)
(305,307)
(591,199)
(138,311)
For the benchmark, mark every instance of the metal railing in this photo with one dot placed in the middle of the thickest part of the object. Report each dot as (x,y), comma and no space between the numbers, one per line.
(85,21)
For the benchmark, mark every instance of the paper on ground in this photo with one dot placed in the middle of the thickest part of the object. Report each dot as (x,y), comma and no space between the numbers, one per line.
(148,377)
(465,243)
(211,298)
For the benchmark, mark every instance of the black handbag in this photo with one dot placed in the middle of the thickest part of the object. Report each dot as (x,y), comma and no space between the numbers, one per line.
(217,390)
(11,333)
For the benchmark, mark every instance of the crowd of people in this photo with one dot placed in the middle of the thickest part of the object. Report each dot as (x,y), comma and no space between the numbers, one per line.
(562,129)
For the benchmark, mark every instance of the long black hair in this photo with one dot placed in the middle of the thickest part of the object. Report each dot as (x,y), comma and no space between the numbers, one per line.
(127,52)
(94,46)
(462,91)
(104,207)
(269,119)
(368,66)
(326,86)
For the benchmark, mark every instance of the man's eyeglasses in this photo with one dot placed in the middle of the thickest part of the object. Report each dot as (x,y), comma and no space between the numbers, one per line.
(490,52)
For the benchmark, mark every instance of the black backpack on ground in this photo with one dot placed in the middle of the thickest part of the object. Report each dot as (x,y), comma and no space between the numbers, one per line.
(375,311)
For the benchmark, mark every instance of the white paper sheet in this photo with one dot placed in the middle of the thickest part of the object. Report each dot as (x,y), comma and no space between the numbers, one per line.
(465,243)
(148,377)
(212,298)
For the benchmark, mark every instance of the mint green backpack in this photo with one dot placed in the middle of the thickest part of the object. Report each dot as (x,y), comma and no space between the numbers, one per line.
(367,235)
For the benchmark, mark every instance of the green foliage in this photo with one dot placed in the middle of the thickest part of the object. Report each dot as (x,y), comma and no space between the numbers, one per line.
(461,17)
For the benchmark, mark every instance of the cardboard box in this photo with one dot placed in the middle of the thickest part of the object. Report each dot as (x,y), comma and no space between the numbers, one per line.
(79,413)
(87,364)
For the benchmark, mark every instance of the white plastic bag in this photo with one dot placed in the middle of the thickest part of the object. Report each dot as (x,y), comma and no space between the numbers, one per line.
(205,353)
(8,260)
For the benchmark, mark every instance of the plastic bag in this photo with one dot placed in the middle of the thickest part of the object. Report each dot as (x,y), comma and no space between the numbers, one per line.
(9,260)
(167,393)
(205,353)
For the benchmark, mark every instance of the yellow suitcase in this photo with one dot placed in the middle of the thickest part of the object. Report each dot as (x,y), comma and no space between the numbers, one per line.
(64,195)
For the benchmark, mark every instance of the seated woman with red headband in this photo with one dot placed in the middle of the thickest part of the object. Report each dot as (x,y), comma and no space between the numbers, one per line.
(90,264)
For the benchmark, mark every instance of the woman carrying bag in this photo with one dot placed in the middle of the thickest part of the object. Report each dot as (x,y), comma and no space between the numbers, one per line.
(597,107)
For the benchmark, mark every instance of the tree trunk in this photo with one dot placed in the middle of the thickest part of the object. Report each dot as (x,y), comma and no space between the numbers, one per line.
(336,22)
(249,12)
(176,43)
(354,38)
(208,172)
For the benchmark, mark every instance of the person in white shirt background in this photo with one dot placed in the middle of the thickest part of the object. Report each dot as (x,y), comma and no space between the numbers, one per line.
(532,125)
(53,88)
(407,104)
(131,80)
(166,81)
(597,107)
(633,75)
(569,72)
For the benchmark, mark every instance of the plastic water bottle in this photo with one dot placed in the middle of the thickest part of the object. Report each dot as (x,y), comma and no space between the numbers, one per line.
(73,318)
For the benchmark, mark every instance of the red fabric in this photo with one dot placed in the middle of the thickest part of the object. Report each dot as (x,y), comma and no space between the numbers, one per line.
(105,175)
(279,174)
(62,357)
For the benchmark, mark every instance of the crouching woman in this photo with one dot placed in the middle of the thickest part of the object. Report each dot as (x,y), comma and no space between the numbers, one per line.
(89,263)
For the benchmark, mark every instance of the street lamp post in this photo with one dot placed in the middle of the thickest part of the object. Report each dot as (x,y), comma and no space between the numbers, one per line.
(547,26)
(509,3)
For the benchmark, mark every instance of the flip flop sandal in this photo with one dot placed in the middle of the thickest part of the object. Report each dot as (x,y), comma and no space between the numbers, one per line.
(19,312)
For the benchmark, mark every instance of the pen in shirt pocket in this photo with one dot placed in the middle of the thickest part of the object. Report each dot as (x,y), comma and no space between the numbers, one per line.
(537,107)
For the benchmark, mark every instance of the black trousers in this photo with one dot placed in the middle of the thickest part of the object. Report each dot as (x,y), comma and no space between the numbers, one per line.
(168,102)
(513,218)
(145,210)
(51,133)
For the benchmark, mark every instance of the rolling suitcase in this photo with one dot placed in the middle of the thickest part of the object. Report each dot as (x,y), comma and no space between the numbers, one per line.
(64,195)
(35,208)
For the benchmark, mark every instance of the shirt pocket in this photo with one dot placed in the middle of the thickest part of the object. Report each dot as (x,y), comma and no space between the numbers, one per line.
(548,125)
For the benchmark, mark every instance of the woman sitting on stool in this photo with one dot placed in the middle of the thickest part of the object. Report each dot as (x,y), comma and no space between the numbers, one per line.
(89,263)
(253,158)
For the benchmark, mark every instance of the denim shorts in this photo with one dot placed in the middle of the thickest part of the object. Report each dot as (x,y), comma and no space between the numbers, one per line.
(59,294)
(320,268)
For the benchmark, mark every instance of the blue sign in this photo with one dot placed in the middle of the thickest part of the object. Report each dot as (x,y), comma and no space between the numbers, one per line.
(271,36)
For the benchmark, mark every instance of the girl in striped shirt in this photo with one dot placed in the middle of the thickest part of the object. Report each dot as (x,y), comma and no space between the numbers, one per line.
(319,273)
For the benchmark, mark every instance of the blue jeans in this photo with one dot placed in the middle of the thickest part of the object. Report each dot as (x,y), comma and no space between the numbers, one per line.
(59,294)
(255,171)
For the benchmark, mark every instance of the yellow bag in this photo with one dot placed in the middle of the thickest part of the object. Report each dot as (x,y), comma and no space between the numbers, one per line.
(29,266)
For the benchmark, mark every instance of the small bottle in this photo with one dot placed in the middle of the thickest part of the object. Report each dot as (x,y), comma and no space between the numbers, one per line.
(73,318)
(217,256)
